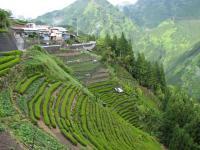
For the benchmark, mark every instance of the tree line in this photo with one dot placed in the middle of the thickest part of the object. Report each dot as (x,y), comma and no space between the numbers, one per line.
(4,19)
(119,50)
(180,125)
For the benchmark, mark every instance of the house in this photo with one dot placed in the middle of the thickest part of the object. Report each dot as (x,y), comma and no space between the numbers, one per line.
(44,34)
(59,33)
(119,90)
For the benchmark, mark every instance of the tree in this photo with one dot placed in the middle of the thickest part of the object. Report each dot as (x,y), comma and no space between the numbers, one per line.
(193,128)
(179,112)
(108,41)
(122,46)
(161,76)
(108,56)
(4,19)
(150,76)
(181,140)
(114,43)
(141,69)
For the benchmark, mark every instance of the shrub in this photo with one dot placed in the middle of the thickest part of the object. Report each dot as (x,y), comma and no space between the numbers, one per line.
(69,136)
(9,64)
(14,52)
(25,85)
(3,72)
(46,102)
(37,107)
(6,59)
(64,103)
(64,124)
(79,139)
(51,114)
(31,112)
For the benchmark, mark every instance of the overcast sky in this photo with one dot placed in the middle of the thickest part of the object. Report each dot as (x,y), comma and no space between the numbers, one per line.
(34,8)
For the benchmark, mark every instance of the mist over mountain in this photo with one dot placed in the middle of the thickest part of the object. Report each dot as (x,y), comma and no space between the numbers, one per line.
(165,30)
(97,17)
(152,12)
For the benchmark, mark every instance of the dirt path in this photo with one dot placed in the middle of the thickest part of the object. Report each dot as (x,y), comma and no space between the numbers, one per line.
(7,142)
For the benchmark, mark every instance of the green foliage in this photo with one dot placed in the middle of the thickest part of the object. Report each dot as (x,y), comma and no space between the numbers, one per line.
(4,72)
(4,19)
(37,107)
(119,50)
(27,83)
(26,132)
(45,107)
(149,13)
(79,139)
(175,44)
(6,59)
(6,108)
(181,112)
(69,137)
(51,68)
(51,113)
(181,140)
(22,104)
(1,128)
(9,64)
(12,53)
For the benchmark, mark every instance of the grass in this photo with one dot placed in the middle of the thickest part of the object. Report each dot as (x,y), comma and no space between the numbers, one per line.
(6,108)
(25,132)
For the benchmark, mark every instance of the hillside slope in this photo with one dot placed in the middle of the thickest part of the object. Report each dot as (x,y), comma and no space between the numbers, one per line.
(170,43)
(97,17)
(151,13)
(46,100)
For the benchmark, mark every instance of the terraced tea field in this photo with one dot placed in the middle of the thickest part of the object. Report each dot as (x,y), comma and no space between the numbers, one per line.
(87,68)
(122,103)
(78,117)
(69,112)
(8,60)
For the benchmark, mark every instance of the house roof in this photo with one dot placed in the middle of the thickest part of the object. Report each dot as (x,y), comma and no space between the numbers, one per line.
(61,29)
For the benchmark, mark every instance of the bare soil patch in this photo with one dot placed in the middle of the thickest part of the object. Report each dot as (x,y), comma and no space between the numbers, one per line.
(7,142)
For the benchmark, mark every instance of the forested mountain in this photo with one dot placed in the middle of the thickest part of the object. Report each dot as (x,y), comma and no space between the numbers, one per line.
(94,17)
(114,97)
(151,13)
(166,30)
(172,43)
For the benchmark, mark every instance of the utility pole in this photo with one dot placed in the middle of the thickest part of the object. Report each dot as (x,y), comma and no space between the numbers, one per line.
(77,26)
(75,23)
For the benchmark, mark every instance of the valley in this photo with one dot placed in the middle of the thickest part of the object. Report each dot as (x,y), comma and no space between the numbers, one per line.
(94,75)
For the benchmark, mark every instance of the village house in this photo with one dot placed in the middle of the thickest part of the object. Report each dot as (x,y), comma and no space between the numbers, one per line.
(45,32)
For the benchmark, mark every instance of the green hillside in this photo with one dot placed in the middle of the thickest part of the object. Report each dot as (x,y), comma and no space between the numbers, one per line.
(170,43)
(97,17)
(150,13)
(46,107)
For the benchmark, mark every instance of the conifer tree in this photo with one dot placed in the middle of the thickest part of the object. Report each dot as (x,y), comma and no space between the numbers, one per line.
(141,69)
(181,140)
